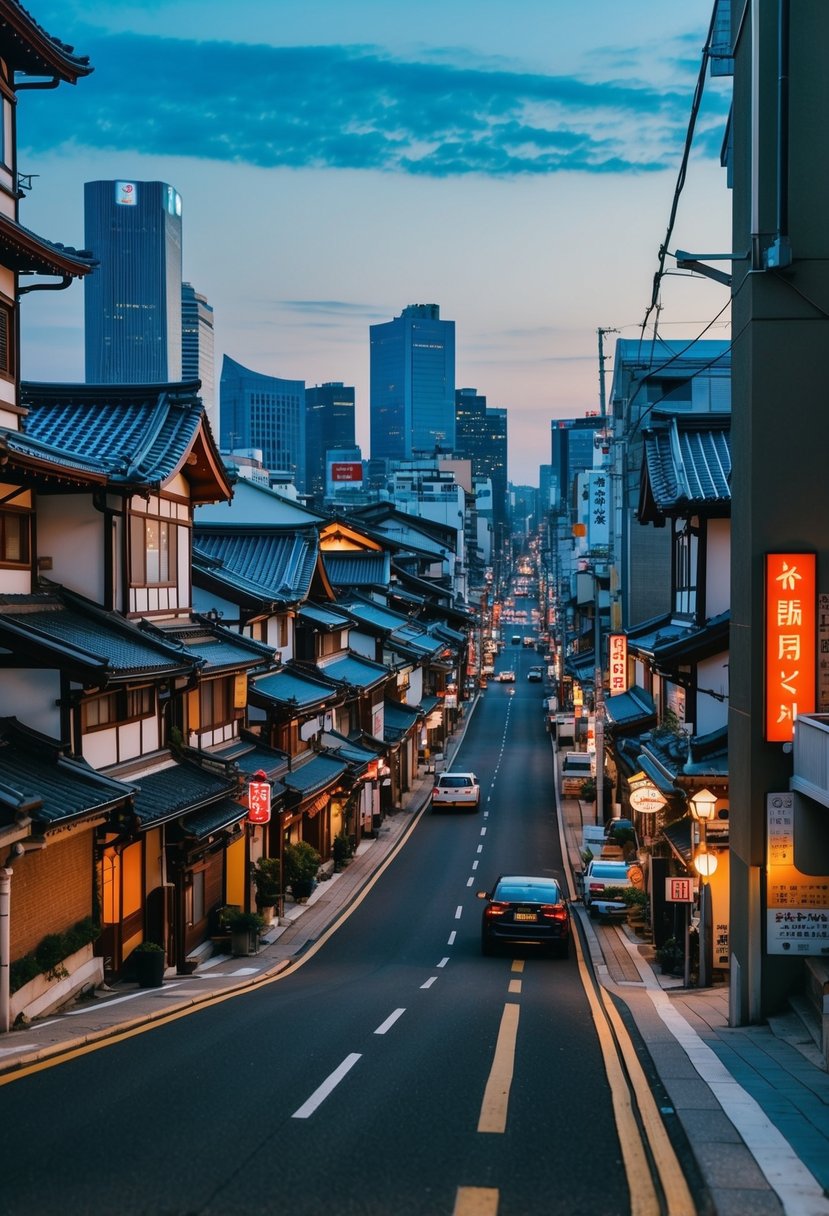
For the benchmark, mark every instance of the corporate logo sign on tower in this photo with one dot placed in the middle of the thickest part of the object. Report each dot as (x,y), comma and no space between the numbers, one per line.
(126,194)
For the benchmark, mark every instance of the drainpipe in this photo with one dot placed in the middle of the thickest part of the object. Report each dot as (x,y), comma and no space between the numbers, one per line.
(5,941)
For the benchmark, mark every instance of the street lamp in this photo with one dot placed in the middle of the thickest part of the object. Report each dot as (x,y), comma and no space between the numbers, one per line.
(703,804)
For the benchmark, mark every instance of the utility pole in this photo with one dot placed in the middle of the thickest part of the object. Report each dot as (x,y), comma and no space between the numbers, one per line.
(602,357)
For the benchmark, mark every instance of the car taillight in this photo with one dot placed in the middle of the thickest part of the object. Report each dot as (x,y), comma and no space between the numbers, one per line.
(596,887)
(554,911)
(436,790)
(496,910)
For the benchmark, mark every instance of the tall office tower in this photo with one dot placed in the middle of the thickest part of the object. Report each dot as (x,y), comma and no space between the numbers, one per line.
(264,412)
(197,354)
(481,436)
(329,423)
(412,384)
(132,303)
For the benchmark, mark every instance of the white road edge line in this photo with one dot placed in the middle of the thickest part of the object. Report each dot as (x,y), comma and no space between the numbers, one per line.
(429,982)
(443,962)
(319,1095)
(389,1022)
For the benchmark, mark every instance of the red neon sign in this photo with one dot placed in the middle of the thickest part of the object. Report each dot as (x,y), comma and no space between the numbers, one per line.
(791,619)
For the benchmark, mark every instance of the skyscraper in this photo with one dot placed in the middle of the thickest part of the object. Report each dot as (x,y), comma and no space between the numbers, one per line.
(412,384)
(481,436)
(264,412)
(132,304)
(197,353)
(329,423)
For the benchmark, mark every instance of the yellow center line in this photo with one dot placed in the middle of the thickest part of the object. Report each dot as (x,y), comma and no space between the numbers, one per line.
(493,1116)
(476,1201)
(643,1197)
(517,964)
(515,986)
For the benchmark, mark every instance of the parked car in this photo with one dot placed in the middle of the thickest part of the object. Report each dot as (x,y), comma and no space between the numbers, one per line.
(600,876)
(506,677)
(535,675)
(576,768)
(456,790)
(516,639)
(525,911)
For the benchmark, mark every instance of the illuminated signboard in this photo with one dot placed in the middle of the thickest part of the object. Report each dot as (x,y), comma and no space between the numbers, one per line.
(346,470)
(126,194)
(259,801)
(598,519)
(790,642)
(618,662)
(797,904)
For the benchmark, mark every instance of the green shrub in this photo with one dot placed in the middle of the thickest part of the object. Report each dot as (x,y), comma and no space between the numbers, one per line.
(47,958)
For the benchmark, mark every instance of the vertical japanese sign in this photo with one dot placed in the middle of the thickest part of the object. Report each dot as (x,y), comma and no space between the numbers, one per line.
(797,916)
(618,662)
(823,653)
(790,642)
(598,517)
(259,801)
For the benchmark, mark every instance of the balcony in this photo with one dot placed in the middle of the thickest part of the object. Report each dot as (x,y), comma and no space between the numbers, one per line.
(811,757)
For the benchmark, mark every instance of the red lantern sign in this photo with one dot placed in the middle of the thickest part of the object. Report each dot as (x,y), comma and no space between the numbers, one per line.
(259,800)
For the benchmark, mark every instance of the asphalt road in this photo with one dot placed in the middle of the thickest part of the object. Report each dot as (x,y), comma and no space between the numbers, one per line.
(396,1072)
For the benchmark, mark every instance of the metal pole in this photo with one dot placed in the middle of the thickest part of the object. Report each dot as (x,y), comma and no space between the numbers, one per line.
(705,925)
(598,706)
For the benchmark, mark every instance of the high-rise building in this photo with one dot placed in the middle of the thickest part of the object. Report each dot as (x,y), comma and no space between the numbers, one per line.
(412,385)
(264,412)
(197,354)
(132,304)
(481,436)
(329,423)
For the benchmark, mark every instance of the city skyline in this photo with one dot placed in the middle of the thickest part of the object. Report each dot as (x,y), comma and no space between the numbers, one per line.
(518,170)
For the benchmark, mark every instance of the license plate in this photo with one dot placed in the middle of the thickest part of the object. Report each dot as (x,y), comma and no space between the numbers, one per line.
(524,916)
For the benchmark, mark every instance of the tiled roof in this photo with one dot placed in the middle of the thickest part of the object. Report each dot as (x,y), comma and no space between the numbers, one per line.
(357,568)
(213,818)
(375,616)
(176,790)
(212,646)
(291,687)
(314,774)
(354,671)
(81,635)
(139,435)
(272,566)
(252,757)
(400,717)
(687,467)
(674,640)
(37,779)
(324,618)
(422,641)
(28,48)
(633,708)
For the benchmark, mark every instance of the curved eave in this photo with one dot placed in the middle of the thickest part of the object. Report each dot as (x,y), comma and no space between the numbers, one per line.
(28,48)
(26,253)
(47,474)
(204,470)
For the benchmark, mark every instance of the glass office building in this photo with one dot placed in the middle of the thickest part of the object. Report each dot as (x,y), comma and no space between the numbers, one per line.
(132,303)
(264,412)
(412,384)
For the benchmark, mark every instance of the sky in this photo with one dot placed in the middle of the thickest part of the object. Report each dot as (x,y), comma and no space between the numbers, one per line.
(515,163)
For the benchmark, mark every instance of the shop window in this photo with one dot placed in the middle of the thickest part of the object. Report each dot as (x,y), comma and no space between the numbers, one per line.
(152,551)
(14,538)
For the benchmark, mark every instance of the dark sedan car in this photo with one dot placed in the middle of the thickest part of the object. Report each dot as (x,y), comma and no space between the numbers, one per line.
(525,911)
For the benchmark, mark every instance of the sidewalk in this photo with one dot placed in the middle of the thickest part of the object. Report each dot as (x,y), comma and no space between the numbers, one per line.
(753,1101)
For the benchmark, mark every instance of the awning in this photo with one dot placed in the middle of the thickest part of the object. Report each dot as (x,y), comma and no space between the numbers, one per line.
(213,818)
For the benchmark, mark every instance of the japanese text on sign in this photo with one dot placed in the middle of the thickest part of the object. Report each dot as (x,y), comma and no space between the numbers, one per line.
(797,917)
(618,662)
(790,641)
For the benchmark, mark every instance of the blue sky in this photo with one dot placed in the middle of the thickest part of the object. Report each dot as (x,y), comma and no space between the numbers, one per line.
(514,163)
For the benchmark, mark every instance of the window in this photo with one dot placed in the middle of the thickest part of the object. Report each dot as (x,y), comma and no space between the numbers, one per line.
(140,702)
(215,702)
(14,538)
(7,343)
(686,550)
(153,551)
(99,712)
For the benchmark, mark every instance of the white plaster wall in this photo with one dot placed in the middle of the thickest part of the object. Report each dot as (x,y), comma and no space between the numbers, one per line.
(415,693)
(712,674)
(30,695)
(100,747)
(718,569)
(71,532)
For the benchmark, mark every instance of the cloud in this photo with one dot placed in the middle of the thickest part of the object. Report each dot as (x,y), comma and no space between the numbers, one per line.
(356,107)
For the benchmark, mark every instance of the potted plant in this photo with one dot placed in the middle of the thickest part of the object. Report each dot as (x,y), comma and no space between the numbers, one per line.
(342,850)
(301,861)
(638,905)
(671,956)
(245,928)
(150,961)
(267,880)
